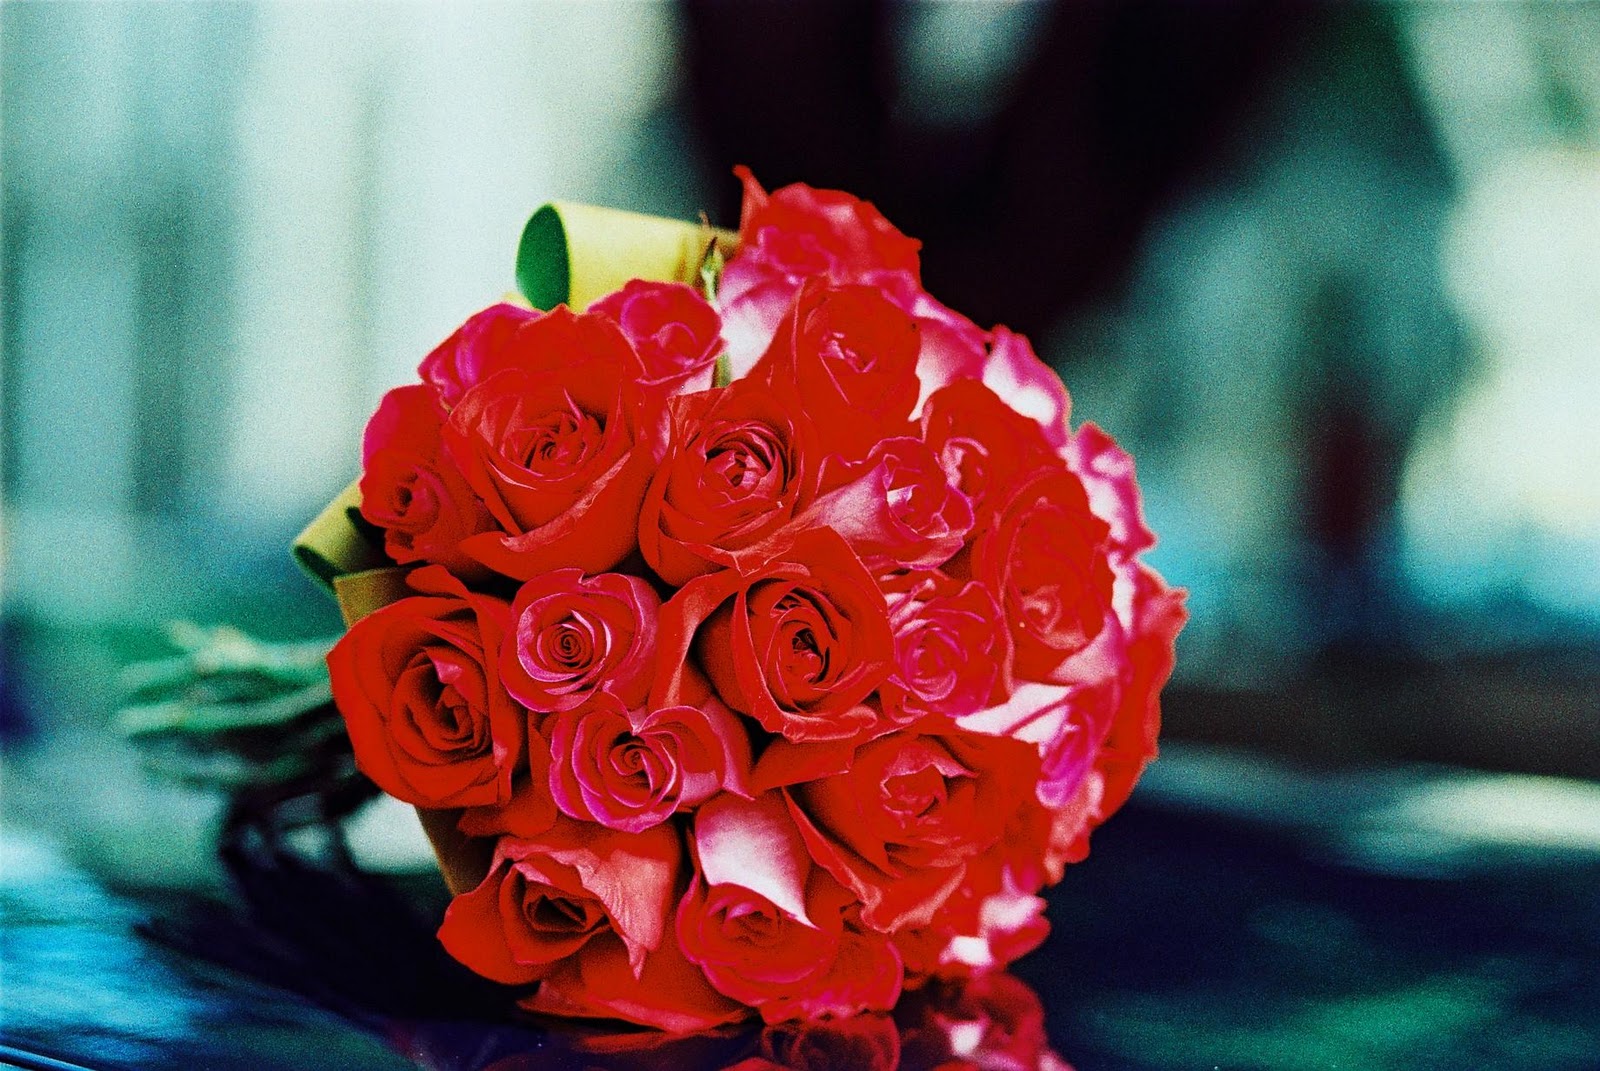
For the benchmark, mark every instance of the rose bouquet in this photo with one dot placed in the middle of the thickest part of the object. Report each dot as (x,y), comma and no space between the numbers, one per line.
(761,645)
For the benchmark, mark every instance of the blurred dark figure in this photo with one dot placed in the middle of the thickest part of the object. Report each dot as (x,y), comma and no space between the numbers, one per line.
(1033,201)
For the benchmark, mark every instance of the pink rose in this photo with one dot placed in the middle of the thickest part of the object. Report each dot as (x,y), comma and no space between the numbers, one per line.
(896,508)
(1107,474)
(1028,385)
(630,770)
(797,644)
(899,826)
(768,928)
(1156,616)
(739,466)
(951,649)
(572,635)
(847,357)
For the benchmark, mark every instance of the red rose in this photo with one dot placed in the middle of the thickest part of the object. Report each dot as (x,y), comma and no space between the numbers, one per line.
(796,233)
(900,825)
(984,445)
(667,992)
(1043,553)
(531,811)
(673,330)
(630,770)
(896,508)
(797,644)
(548,899)
(768,928)
(560,455)
(740,465)
(421,696)
(950,647)
(410,490)
(847,357)
(821,231)
(572,635)
(483,345)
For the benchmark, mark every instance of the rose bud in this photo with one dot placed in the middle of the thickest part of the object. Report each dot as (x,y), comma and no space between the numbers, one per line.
(421,696)
(950,647)
(896,509)
(630,770)
(797,644)
(674,332)
(900,825)
(548,899)
(847,356)
(769,928)
(1044,554)
(739,467)
(984,445)
(483,345)
(571,635)
(560,454)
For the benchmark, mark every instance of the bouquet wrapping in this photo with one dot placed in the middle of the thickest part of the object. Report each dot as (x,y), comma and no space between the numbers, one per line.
(753,633)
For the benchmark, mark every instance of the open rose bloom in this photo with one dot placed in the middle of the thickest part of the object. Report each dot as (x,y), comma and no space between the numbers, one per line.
(756,655)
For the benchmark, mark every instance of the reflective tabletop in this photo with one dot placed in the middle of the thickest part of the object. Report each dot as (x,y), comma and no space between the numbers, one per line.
(1237,914)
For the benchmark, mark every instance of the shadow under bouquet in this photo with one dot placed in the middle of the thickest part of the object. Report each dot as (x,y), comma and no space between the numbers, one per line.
(752,632)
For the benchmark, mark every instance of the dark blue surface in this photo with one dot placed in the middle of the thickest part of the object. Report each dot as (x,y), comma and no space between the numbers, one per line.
(1195,936)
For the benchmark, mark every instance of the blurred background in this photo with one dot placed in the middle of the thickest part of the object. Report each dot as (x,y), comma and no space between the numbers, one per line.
(1331,273)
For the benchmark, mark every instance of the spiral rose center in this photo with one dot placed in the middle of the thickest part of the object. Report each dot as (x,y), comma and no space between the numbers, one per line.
(836,347)
(914,795)
(931,663)
(740,464)
(568,645)
(750,923)
(560,914)
(803,657)
(560,440)
(966,466)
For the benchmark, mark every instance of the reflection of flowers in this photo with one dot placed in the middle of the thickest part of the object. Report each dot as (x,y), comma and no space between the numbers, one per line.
(995,1023)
